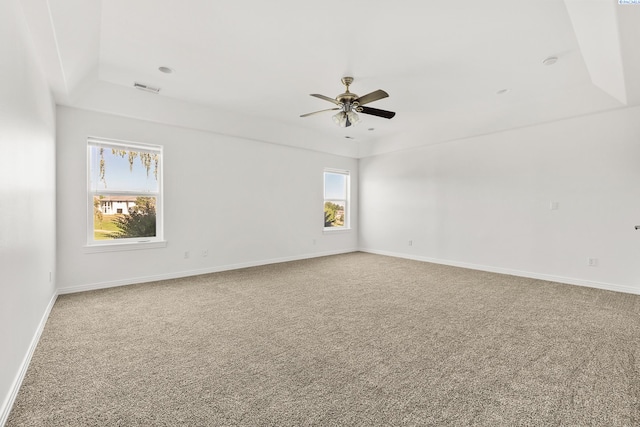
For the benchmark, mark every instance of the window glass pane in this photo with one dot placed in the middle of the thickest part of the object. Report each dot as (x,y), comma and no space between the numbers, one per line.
(119,217)
(334,213)
(335,186)
(124,169)
(124,200)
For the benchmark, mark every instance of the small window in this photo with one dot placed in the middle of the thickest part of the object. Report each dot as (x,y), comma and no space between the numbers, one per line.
(125,192)
(336,199)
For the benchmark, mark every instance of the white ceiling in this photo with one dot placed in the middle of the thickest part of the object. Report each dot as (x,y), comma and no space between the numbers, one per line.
(246,67)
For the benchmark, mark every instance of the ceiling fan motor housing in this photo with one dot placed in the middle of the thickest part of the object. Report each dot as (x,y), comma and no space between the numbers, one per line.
(347,97)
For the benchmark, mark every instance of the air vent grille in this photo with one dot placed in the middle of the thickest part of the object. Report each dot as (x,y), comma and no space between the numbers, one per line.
(146,88)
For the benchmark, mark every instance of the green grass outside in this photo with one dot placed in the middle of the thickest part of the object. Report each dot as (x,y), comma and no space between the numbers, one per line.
(102,229)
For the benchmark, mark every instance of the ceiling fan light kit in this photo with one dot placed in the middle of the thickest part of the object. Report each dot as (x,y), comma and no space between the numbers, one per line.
(349,104)
(346,119)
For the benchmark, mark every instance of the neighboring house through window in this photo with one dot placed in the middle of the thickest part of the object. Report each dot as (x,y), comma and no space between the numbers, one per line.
(336,199)
(125,192)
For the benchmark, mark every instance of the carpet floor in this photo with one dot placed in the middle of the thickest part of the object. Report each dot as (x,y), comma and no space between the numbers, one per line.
(347,340)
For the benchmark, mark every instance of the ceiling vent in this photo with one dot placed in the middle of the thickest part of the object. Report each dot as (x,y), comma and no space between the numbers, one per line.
(146,87)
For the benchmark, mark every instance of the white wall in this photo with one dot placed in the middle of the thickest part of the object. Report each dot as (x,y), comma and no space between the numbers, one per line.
(245,202)
(27,200)
(484,202)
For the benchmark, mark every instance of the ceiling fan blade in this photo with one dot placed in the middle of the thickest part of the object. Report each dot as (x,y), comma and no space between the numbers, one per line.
(376,112)
(316,112)
(373,96)
(326,98)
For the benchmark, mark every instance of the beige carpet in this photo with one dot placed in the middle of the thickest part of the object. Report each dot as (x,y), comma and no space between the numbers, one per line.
(348,340)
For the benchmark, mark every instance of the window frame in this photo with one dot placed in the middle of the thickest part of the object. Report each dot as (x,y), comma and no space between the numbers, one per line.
(134,243)
(347,200)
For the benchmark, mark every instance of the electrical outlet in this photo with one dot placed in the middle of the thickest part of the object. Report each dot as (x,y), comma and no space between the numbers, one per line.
(205,253)
(186,254)
(593,262)
(554,206)
(410,242)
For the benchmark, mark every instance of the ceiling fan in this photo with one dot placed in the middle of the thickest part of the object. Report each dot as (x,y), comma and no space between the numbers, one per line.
(349,104)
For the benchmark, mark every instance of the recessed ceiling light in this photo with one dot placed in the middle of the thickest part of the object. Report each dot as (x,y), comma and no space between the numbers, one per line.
(166,70)
(349,137)
(550,60)
(503,91)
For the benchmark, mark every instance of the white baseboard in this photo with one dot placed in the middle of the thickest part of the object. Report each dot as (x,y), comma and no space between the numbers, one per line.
(511,272)
(187,273)
(5,409)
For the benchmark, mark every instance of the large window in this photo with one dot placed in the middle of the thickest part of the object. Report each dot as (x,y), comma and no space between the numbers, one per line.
(336,199)
(125,192)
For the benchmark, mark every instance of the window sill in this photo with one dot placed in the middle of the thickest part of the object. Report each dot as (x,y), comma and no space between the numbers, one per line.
(128,246)
(333,230)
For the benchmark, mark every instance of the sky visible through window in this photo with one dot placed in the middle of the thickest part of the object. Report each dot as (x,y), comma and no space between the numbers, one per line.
(118,177)
(335,186)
